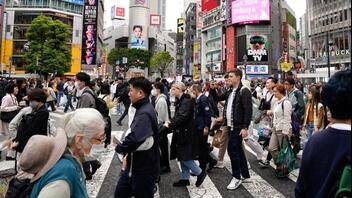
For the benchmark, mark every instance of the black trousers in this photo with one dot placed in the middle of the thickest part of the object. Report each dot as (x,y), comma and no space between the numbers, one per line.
(204,150)
(52,105)
(238,158)
(107,130)
(140,185)
(164,151)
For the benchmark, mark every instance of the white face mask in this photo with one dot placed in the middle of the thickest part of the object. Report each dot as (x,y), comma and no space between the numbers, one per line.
(96,149)
(76,84)
(154,93)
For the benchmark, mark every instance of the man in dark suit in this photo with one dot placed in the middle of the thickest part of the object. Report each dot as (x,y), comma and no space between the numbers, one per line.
(202,116)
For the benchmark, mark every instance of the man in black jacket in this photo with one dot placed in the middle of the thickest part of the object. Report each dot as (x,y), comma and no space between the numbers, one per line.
(123,97)
(141,166)
(238,117)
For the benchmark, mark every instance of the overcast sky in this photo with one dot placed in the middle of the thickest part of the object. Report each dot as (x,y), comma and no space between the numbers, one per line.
(175,7)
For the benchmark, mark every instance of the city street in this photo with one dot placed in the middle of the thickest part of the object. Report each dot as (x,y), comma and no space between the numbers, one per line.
(263,182)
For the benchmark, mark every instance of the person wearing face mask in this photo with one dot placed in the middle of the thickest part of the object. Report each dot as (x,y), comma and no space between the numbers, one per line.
(34,123)
(163,116)
(84,93)
(57,169)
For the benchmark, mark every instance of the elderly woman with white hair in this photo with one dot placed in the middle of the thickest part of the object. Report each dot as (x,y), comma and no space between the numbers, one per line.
(56,161)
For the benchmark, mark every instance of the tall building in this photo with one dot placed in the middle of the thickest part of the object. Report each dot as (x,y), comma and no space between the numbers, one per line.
(190,37)
(304,39)
(289,31)
(329,29)
(20,14)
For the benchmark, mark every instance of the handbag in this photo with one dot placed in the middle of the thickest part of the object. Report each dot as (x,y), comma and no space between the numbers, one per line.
(217,138)
(8,116)
(286,161)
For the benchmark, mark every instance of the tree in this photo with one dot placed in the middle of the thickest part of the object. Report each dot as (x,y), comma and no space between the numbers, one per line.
(161,61)
(135,57)
(48,51)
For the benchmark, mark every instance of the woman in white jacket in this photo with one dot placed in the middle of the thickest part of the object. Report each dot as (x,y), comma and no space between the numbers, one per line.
(281,114)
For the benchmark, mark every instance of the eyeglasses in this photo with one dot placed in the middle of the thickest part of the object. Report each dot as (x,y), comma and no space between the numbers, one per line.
(98,140)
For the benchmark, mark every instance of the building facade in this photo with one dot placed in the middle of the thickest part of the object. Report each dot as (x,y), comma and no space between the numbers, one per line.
(189,37)
(329,29)
(19,16)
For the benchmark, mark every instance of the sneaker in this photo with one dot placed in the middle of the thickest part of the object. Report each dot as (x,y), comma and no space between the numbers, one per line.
(200,178)
(220,164)
(263,163)
(246,179)
(181,183)
(235,183)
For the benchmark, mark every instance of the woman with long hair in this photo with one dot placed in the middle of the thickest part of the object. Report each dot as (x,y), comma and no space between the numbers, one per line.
(314,114)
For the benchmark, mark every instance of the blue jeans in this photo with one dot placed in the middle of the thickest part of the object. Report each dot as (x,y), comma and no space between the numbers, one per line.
(59,95)
(120,108)
(69,103)
(310,130)
(238,158)
(186,166)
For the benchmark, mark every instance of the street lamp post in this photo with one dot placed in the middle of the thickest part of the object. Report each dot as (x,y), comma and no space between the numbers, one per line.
(328,44)
(245,58)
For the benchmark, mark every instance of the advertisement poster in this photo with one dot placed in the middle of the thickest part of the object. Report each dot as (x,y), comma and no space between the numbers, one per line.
(223,7)
(138,38)
(199,15)
(180,25)
(89,38)
(208,5)
(257,47)
(253,11)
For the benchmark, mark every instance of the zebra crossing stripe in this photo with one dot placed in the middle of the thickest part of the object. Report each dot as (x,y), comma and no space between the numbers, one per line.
(257,186)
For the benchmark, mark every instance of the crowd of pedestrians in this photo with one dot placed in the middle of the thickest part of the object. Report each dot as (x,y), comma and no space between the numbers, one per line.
(291,121)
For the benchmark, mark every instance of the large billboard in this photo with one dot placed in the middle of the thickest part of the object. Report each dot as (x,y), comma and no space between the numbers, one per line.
(138,37)
(78,2)
(257,47)
(208,5)
(89,37)
(253,11)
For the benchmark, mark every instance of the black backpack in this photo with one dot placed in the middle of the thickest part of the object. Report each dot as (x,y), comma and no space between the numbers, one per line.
(19,188)
(265,105)
(100,105)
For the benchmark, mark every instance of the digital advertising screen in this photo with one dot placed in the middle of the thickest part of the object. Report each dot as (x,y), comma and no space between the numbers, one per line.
(257,47)
(253,11)
(89,37)
(78,2)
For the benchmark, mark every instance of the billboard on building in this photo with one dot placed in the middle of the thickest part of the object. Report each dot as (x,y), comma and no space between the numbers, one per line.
(199,23)
(138,37)
(89,37)
(118,12)
(180,25)
(208,5)
(223,9)
(230,48)
(253,11)
(78,2)
(155,19)
(257,47)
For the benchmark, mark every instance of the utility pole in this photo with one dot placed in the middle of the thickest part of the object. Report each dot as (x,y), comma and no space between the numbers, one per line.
(328,43)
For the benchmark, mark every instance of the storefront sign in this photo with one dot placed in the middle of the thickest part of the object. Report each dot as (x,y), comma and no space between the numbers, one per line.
(78,2)
(155,19)
(223,13)
(257,69)
(180,25)
(211,17)
(89,38)
(257,47)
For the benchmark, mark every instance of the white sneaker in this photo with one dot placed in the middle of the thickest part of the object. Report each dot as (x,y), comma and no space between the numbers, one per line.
(246,180)
(220,164)
(248,165)
(235,183)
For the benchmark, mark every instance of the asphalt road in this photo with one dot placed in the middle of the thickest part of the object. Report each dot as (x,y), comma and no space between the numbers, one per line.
(263,182)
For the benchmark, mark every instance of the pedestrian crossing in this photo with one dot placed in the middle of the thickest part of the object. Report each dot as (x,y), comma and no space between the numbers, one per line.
(262,183)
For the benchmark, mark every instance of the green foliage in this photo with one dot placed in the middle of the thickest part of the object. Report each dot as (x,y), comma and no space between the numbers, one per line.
(135,57)
(161,61)
(49,51)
